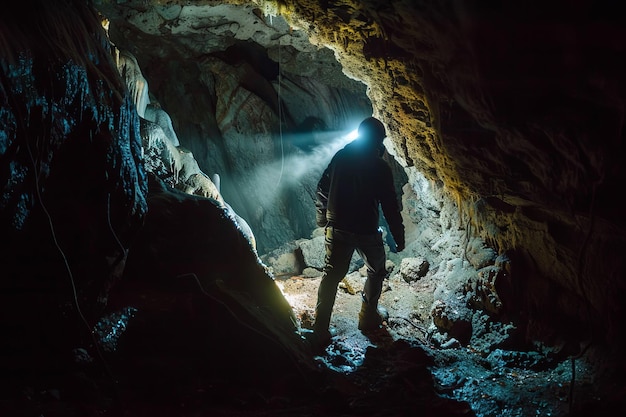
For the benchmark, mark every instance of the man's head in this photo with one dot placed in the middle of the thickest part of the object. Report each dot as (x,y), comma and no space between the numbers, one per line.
(372,130)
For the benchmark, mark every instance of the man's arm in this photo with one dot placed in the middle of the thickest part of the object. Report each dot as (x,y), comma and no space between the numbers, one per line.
(321,198)
(391,208)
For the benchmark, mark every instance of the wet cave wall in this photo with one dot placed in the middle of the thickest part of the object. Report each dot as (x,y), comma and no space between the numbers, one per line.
(509,116)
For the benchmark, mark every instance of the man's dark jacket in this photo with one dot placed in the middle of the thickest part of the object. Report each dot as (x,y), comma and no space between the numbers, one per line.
(353,185)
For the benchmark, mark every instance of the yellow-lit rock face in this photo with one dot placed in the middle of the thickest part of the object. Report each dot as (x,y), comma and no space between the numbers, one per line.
(517,111)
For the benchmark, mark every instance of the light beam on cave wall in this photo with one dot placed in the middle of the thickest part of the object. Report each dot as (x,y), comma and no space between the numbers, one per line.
(280,175)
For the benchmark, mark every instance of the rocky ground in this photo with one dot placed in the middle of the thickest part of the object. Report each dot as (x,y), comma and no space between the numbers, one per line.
(405,369)
(503,383)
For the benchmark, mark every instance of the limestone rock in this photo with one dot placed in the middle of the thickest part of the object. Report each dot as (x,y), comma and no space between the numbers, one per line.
(412,269)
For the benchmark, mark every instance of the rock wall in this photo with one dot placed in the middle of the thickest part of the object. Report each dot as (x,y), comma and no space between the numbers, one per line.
(73,185)
(95,248)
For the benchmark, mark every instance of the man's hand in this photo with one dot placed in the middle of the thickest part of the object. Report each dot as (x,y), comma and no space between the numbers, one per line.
(398,247)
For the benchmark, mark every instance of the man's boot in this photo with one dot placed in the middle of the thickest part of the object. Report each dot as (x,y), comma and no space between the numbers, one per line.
(322,334)
(371,316)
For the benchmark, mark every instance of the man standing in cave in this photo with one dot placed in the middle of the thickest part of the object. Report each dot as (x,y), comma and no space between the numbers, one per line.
(353,186)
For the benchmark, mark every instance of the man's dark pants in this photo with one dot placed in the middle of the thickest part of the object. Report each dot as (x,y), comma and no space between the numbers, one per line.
(340,246)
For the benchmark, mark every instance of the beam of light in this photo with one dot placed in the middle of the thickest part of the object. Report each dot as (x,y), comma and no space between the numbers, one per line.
(296,301)
(325,145)
(352,135)
(300,168)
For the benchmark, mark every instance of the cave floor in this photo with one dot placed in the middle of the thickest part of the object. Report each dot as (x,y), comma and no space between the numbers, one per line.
(400,370)
(509,384)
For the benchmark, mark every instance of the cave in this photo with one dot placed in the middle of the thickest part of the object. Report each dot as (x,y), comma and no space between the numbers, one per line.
(158,164)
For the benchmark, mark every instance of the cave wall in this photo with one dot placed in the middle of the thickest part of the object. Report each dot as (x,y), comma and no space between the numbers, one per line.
(73,187)
(107,271)
(252,102)
(515,111)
